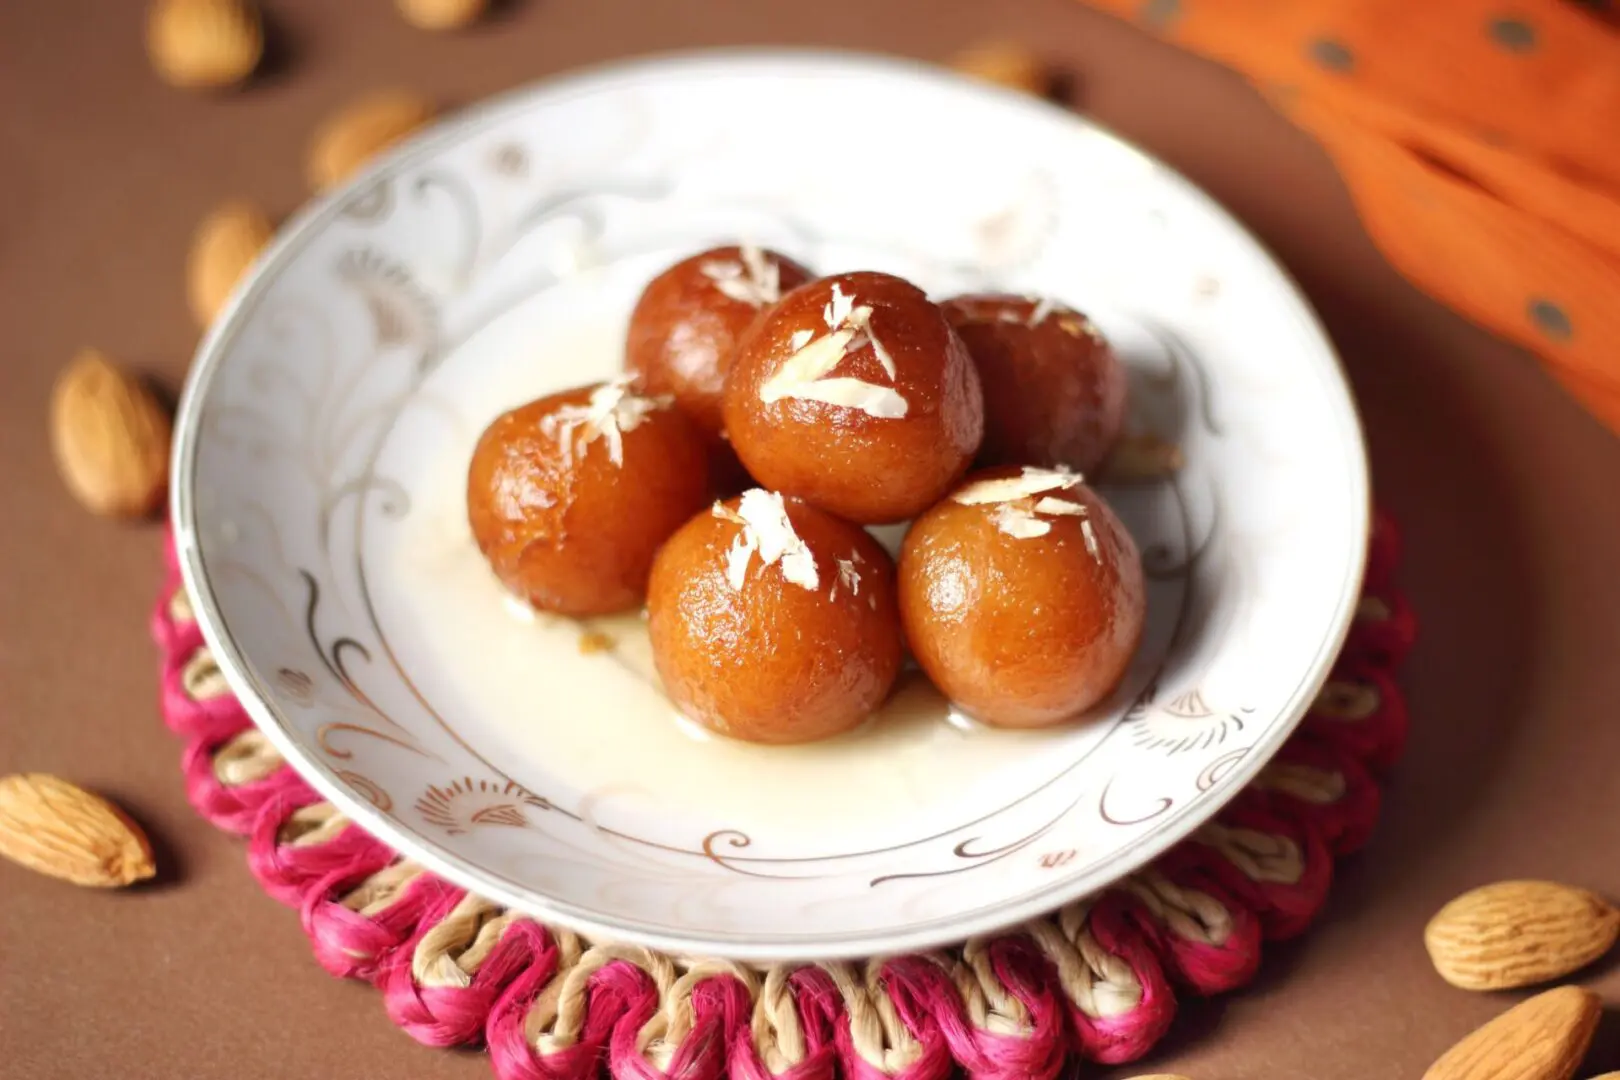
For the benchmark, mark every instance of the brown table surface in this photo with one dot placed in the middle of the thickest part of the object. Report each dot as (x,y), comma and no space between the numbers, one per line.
(1509,497)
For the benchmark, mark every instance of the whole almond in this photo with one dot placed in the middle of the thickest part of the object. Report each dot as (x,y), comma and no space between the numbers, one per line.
(1543,1038)
(1519,933)
(1006,64)
(440,14)
(57,828)
(353,135)
(225,245)
(204,44)
(110,436)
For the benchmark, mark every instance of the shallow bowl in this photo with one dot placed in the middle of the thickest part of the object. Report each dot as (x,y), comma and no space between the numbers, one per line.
(320,512)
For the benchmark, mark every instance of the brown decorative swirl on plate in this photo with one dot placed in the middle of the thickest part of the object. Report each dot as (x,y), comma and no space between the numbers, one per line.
(466,803)
(972,859)
(402,313)
(732,838)
(370,204)
(509,159)
(1183,724)
(324,733)
(299,687)
(368,787)
(1220,768)
(1160,806)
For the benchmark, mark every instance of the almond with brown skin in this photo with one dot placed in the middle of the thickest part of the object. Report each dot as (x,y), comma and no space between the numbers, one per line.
(1543,1038)
(58,828)
(358,132)
(1519,933)
(110,436)
(225,245)
(440,14)
(1006,64)
(204,44)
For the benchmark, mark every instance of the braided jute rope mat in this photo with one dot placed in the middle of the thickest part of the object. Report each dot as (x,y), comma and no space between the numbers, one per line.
(1097,980)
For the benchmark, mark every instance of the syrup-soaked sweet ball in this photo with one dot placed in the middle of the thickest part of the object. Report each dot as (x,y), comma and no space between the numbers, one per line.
(570,496)
(689,319)
(1022,596)
(773,621)
(1054,393)
(854,394)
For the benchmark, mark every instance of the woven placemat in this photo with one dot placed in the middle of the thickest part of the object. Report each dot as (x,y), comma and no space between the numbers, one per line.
(1096,980)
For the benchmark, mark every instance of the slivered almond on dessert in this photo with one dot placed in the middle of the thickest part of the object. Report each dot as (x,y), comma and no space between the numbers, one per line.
(613,409)
(773,621)
(1018,512)
(853,393)
(806,374)
(768,534)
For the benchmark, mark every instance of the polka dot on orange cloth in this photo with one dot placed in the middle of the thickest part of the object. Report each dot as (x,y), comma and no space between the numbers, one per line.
(1551,320)
(1514,35)
(1464,130)
(1333,55)
(1159,14)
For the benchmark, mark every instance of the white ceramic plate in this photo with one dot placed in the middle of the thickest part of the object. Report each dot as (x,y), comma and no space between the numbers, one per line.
(319,502)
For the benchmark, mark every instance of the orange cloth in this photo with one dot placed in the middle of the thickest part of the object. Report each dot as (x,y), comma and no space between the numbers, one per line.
(1480,140)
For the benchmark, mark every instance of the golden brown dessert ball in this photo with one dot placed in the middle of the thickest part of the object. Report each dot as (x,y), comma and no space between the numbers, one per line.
(1022,596)
(689,319)
(570,496)
(854,394)
(773,621)
(1054,393)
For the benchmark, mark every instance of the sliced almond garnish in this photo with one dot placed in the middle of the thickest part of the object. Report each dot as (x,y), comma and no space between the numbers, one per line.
(1044,307)
(1018,512)
(612,410)
(1031,481)
(754,278)
(807,373)
(768,533)
(848,576)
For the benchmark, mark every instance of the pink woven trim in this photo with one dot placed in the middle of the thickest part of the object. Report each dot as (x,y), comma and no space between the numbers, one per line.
(1097,980)
(234,808)
(1213,961)
(352,945)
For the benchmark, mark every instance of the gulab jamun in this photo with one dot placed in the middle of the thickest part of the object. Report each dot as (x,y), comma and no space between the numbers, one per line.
(1022,596)
(570,496)
(774,622)
(855,394)
(1054,392)
(690,317)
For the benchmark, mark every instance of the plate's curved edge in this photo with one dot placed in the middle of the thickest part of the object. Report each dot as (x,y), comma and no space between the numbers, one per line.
(434,858)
